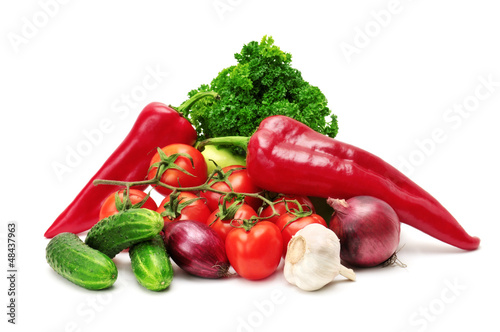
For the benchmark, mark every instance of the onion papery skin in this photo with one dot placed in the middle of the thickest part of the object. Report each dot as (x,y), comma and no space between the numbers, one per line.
(368,229)
(196,249)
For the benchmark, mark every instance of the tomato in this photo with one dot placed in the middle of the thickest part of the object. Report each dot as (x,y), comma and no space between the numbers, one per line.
(196,210)
(109,208)
(221,156)
(256,253)
(287,231)
(223,227)
(281,206)
(197,168)
(241,183)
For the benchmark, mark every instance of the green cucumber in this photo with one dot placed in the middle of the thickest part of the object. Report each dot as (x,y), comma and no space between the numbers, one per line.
(119,231)
(70,257)
(151,264)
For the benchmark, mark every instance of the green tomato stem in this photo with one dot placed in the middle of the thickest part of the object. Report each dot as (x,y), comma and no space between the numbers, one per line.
(207,186)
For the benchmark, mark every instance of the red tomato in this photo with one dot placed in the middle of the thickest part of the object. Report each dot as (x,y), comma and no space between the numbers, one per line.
(109,208)
(241,183)
(223,227)
(287,231)
(281,206)
(196,210)
(256,253)
(197,173)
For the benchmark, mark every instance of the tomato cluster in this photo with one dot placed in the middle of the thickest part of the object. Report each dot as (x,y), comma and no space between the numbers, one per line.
(255,228)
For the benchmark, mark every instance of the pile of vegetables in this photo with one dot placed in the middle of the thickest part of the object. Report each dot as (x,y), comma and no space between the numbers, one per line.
(222,211)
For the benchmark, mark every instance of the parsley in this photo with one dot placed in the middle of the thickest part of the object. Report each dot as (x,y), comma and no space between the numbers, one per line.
(262,84)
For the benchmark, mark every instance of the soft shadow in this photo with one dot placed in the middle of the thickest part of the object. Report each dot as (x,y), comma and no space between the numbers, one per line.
(434,247)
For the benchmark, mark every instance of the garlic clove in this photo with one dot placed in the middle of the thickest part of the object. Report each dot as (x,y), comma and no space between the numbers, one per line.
(347,273)
(313,258)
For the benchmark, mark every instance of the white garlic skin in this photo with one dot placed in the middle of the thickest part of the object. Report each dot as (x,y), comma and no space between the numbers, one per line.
(313,258)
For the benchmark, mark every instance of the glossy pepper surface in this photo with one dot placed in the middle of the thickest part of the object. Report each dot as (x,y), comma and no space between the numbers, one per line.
(286,156)
(157,125)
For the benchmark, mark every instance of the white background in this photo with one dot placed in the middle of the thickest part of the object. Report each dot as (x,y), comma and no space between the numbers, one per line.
(69,70)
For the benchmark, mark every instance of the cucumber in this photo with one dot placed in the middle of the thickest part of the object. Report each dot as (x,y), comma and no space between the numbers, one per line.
(151,264)
(74,260)
(119,231)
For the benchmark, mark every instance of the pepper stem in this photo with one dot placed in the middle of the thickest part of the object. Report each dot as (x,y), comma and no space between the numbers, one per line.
(239,141)
(186,106)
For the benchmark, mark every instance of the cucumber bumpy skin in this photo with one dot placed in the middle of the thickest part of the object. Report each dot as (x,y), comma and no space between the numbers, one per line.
(120,231)
(70,257)
(151,264)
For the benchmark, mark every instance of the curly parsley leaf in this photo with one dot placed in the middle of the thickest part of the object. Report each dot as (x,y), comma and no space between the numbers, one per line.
(261,84)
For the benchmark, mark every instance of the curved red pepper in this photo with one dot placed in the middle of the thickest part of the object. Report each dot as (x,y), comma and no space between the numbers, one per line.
(286,156)
(157,125)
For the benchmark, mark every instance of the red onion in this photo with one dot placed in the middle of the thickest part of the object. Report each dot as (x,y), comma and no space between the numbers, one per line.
(368,229)
(196,248)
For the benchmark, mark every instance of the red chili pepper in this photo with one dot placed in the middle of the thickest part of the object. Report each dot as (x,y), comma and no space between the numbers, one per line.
(157,125)
(286,156)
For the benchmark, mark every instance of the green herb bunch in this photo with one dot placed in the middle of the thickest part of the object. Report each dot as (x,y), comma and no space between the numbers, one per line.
(262,84)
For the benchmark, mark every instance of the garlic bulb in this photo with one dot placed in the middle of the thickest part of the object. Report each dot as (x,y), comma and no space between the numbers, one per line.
(313,258)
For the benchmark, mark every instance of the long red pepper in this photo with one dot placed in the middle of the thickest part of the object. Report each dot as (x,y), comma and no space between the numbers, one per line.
(157,125)
(286,156)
